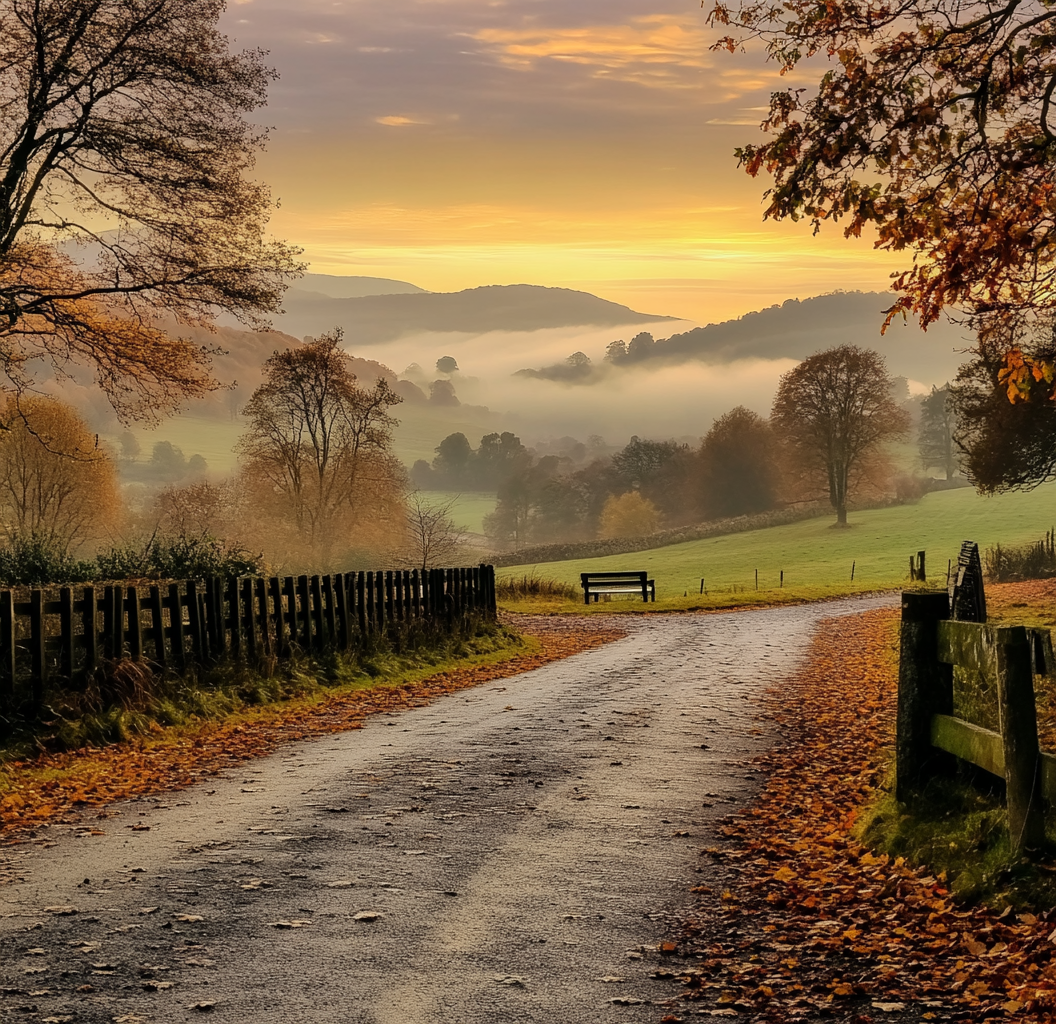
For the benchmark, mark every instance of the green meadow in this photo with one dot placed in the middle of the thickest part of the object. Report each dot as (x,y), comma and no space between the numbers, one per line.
(817,558)
(468,508)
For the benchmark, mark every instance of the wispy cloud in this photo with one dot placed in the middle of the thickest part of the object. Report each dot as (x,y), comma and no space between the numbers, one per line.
(657,50)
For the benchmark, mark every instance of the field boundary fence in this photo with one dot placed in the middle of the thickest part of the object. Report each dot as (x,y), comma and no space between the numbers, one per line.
(58,637)
(966,695)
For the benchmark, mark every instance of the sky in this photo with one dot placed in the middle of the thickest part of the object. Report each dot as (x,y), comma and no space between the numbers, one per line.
(585,144)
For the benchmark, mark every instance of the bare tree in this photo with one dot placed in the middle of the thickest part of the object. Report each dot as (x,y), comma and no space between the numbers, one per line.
(835,411)
(123,138)
(316,456)
(434,539)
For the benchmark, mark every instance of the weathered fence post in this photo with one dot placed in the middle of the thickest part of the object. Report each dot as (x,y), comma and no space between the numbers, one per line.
(361,603)
(340,596)
(194,616)
(135,628)
(36,646)
(7,650)
(260,589)
(275,589)
(179,652)
(1019,733)
(329,612)
(108,623)
(157,621)
(316,598)
(250,618)
(305,614)
(289,589)
(925,688)
(66,633)
(90,627)
(234,606)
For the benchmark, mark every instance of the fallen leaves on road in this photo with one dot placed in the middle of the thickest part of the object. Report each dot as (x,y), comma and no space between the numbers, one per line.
(806,921)
(55,786)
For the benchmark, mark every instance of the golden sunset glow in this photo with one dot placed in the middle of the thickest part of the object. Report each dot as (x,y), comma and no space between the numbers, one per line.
(457,144)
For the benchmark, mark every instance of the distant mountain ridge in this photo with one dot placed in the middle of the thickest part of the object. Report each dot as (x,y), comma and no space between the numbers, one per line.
(799,327)
(377,318)
(335,286)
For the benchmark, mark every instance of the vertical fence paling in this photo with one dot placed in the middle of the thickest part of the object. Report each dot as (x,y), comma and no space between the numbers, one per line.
(202,622)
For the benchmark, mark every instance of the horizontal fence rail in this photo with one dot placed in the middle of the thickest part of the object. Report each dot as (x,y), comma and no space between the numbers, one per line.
(999,661)
(60,637)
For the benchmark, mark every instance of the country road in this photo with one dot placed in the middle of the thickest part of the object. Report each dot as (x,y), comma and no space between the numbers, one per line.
(510,853)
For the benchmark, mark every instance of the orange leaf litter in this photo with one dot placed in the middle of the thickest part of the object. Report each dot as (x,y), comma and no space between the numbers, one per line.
(806,922)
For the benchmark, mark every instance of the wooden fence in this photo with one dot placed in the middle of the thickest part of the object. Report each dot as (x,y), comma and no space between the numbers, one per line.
(966,690)
(59,637)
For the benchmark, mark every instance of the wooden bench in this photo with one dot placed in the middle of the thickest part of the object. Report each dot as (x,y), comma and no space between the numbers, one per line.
(596,583)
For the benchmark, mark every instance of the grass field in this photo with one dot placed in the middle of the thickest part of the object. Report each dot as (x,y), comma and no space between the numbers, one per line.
(817,558)
(468,510)
(420,430)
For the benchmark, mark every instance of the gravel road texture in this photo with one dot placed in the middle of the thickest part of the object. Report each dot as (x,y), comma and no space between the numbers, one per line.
(511,853)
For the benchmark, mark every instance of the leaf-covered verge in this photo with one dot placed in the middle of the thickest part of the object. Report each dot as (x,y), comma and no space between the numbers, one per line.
(815,918)
(66,786)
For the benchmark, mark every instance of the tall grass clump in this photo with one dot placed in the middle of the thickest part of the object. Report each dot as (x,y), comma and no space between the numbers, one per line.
(514,588)
(1036,561)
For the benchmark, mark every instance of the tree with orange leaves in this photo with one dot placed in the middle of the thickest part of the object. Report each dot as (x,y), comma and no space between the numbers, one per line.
(125,202)
(933,121)
(57,487)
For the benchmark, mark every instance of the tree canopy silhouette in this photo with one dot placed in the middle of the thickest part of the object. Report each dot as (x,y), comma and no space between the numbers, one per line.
(124,142)
(934,121)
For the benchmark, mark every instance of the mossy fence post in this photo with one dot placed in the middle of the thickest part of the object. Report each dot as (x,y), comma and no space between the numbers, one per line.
(930,735)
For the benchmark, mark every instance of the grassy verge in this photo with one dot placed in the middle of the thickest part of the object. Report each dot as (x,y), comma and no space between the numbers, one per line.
(959,831)
(720,600)
(126,702)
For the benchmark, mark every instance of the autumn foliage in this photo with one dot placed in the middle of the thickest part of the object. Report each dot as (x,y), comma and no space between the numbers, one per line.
(57,486)
(317,476)
(931,121)
(810,921)
(125,142)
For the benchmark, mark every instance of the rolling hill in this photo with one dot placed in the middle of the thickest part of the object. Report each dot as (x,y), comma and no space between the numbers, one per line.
(375,319)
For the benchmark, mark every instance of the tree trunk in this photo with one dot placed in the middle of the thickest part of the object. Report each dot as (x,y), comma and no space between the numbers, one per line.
(841,514)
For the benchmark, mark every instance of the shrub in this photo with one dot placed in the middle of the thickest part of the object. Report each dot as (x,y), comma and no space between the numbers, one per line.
(512,588)
(36,561)
(1026,562)
(177,559)
(629,515)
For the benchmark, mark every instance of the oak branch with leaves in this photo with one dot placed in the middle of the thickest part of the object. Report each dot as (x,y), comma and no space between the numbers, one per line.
(934,121)
(126,206)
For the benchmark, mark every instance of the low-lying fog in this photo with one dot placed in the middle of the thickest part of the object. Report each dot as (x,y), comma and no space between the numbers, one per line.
(649,399)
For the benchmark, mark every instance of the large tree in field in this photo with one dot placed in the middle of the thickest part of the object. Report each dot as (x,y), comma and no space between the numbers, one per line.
(738,466)
(125,201)
(835,411)
(316,461)
(932,120)
(56,486)
(938,425)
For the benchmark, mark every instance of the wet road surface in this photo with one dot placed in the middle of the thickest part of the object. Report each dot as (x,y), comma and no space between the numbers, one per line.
(510,853)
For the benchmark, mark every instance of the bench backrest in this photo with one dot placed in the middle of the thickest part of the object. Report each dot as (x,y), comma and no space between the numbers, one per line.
(613,577)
